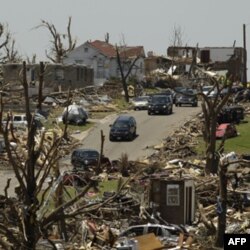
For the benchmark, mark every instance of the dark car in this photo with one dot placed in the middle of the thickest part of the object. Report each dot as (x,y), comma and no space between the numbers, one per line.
(124,128)
(81,159)
(231,114)
(177,91)
(160,104)
(186,98)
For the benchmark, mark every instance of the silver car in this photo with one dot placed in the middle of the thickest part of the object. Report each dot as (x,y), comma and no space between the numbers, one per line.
(140,102)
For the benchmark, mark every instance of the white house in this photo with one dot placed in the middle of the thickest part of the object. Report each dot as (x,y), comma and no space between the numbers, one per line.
(101,56)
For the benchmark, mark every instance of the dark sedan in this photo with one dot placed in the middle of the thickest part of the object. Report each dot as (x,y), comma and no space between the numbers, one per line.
(81,159)
(124,127)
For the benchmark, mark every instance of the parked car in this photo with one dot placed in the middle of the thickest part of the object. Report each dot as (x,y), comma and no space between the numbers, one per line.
(81,159)
(226,130)
(210,91)
(160,104)
(140,102)
(231,114)
(187,98)
(124,127)
(74,114)
(234,90)
(166,92)
(177,91)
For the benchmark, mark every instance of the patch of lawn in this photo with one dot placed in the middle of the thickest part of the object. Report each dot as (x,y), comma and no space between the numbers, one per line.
(239,144)
(100,115)
(121,103)
(71,128)
(108,186)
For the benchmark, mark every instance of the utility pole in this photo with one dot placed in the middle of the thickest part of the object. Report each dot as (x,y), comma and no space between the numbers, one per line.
(245,56)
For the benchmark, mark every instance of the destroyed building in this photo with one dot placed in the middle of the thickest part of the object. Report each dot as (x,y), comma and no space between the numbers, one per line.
(57,77)
(226,61)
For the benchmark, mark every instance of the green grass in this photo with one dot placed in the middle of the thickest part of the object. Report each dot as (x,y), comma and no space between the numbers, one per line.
(101,115)
(71,128)
(108,186)
(121,103)
(239,144)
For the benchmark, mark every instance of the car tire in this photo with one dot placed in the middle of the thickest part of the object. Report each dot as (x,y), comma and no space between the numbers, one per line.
(134,135)
(149,113)
(111,138)
(130,137)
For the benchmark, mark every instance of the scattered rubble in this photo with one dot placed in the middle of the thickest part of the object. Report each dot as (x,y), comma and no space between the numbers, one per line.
(175,159)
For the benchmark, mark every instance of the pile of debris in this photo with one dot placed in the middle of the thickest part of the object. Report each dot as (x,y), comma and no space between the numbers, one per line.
(181,143)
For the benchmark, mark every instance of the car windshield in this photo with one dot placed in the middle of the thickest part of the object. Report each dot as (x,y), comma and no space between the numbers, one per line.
(159,99)
(121,124)
(86,154)
(139,99)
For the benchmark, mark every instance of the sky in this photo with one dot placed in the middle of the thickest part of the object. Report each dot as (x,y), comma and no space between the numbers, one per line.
(150,23)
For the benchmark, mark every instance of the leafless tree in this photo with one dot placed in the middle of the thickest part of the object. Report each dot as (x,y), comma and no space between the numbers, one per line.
(106,37)
(32,59)
(176,40)
(211,107)
(27,217)
(8,51)
(215,164)
(125,65)
(177,36)
(58,49)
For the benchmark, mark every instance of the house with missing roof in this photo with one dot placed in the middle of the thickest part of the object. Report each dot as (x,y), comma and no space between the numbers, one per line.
(226,61)
(57,77)
(101,56)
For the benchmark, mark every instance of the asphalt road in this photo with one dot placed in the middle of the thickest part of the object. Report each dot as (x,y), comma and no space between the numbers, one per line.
(151,130)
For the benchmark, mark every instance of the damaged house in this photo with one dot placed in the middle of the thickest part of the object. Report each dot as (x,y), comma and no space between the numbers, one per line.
(226,61)
(155,62)
(57,77)
(101,57)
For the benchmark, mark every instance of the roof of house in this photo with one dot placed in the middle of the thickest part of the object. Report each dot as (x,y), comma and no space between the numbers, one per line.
(104,47)
(109,50)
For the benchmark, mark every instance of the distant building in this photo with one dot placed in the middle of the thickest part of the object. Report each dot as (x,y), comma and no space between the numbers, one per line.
(154,62)
(101,57)
(227,59)
(57,77)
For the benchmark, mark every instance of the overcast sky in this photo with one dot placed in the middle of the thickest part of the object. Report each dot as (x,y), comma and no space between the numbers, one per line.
(141,22)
